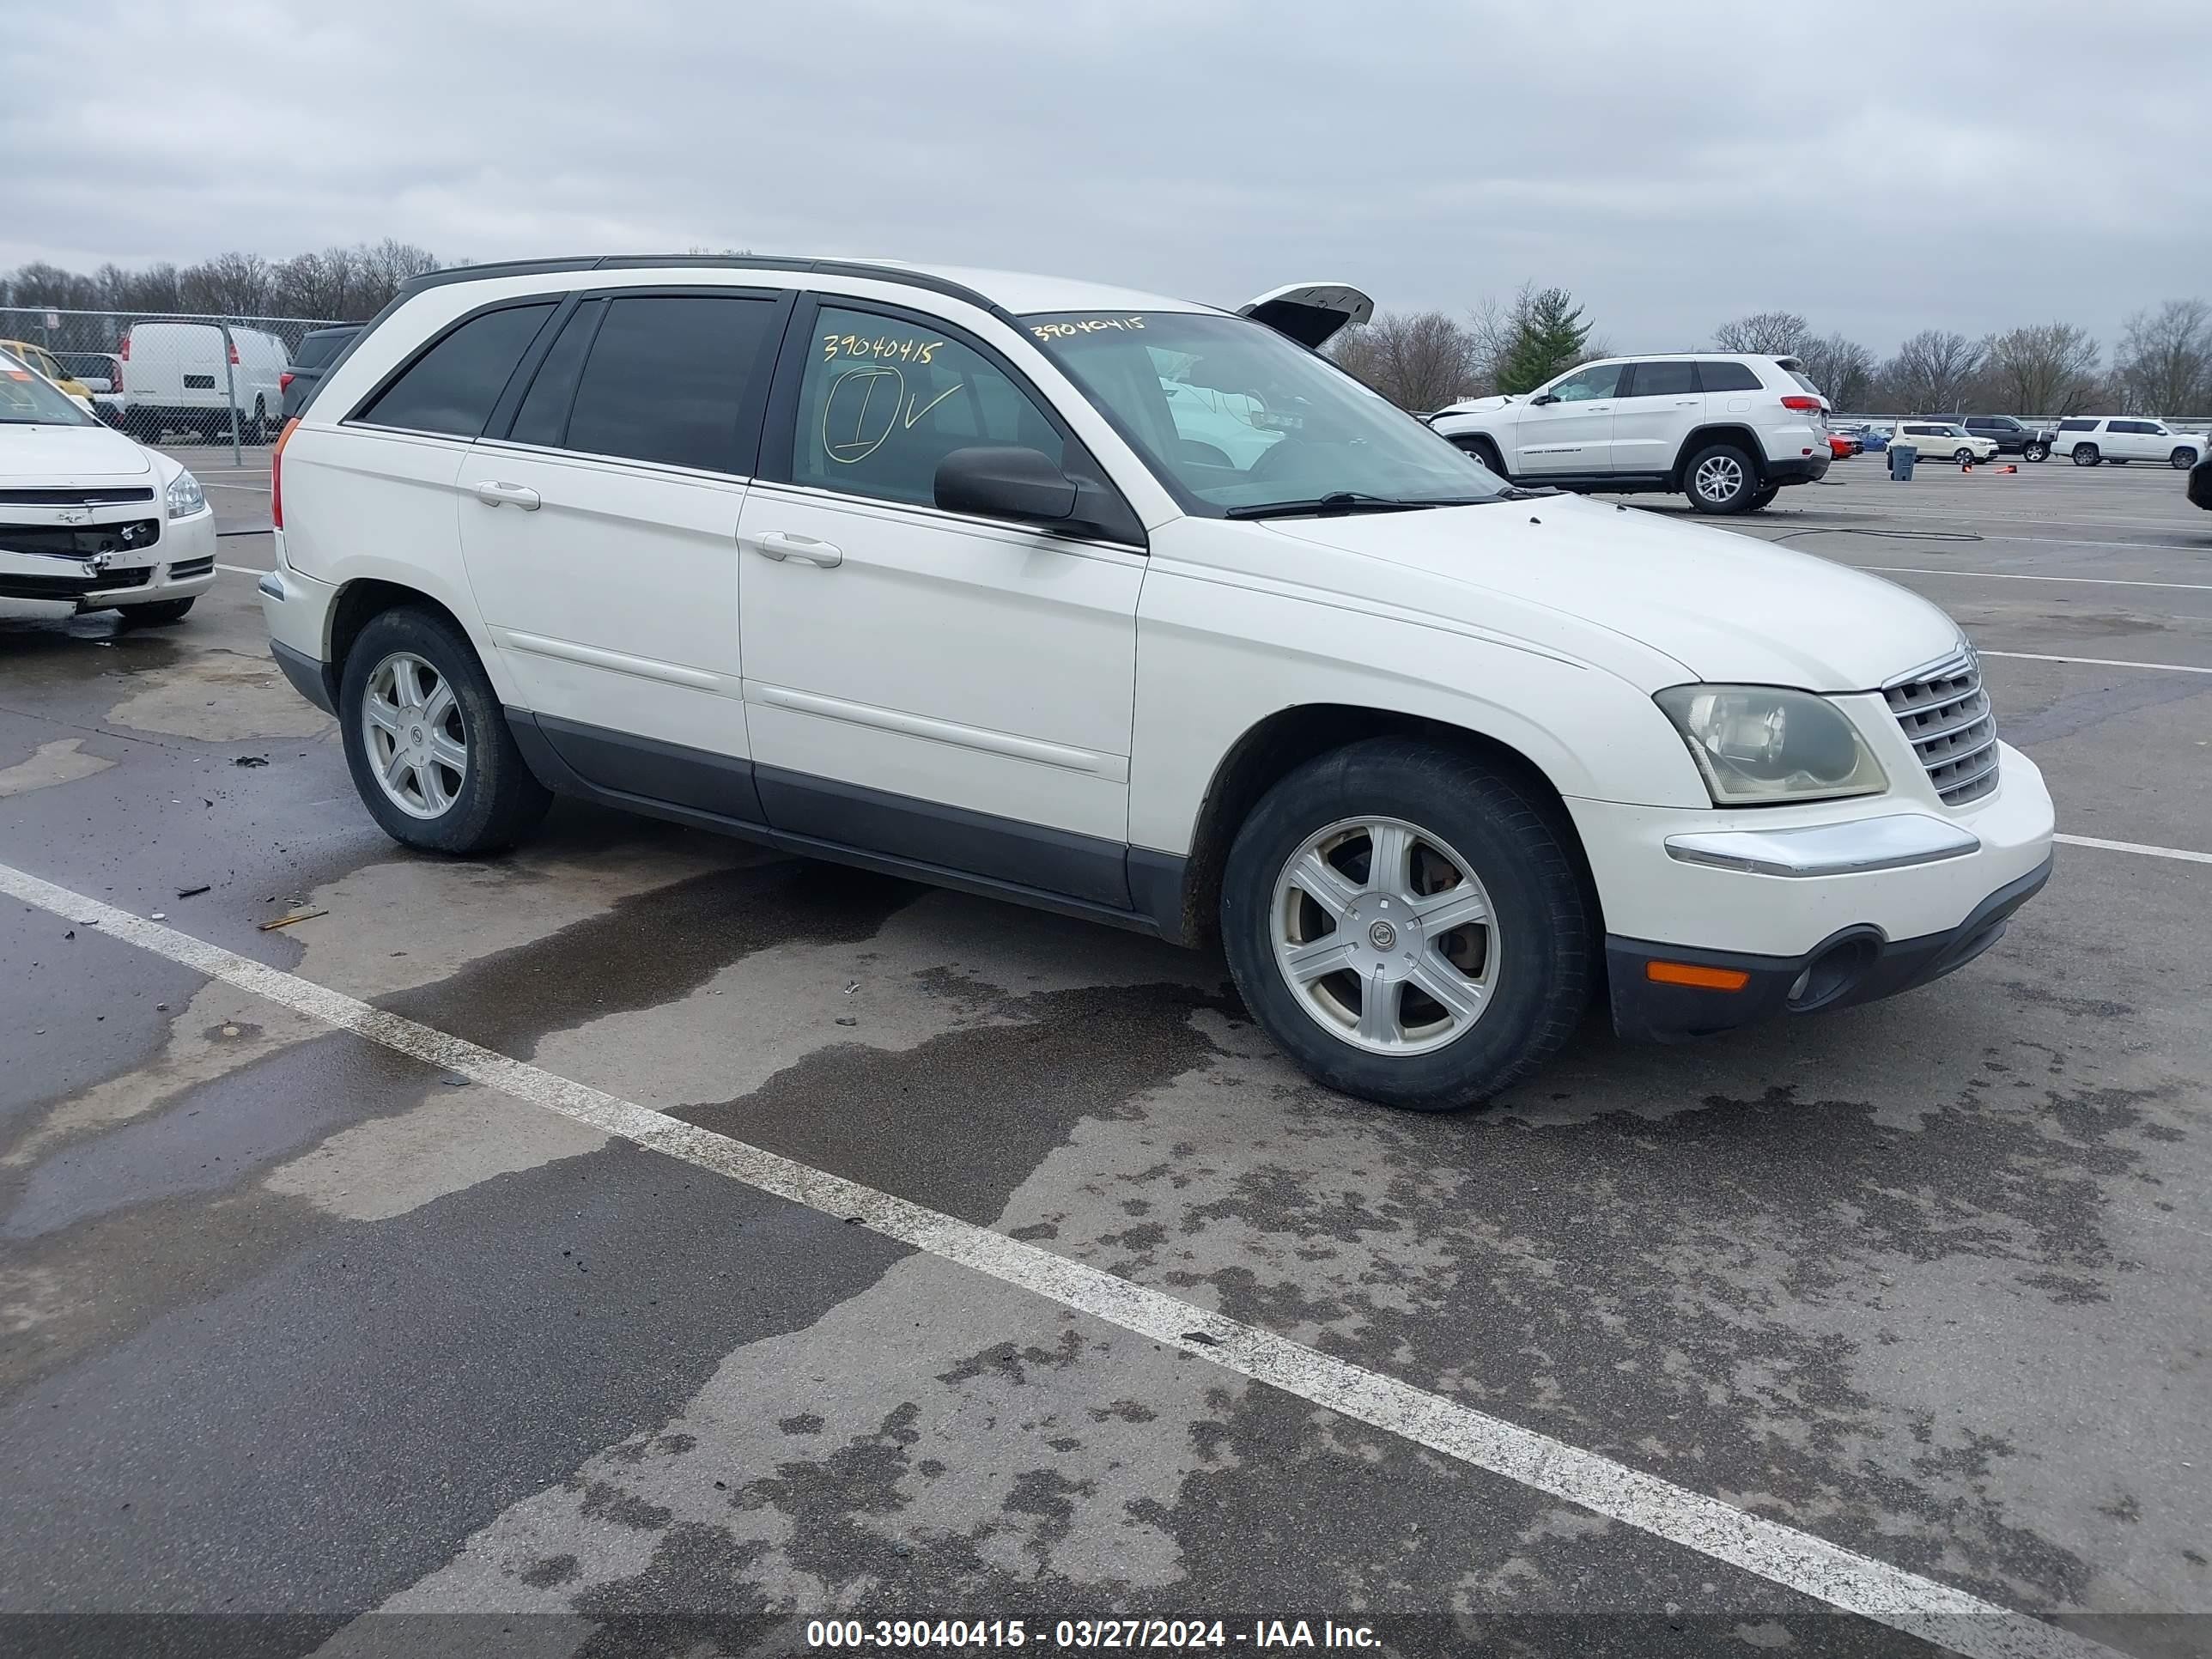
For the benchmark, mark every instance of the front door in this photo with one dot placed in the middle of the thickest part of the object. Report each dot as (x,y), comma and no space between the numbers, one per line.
(929,684)
(1567,427)
(1659,404)
(600,532)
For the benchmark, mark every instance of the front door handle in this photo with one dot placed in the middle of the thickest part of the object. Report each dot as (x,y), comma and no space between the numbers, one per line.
(781,544)
(492,494)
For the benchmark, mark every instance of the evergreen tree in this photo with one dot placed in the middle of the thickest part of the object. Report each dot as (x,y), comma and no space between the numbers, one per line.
(1546,338)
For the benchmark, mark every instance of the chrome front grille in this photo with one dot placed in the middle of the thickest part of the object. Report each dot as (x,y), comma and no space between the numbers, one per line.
(1947,717)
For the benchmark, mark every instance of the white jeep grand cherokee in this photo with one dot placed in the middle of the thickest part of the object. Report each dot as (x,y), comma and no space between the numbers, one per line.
(923,571)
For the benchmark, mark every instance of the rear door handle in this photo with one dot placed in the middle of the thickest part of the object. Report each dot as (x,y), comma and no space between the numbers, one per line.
(493,494)
(781,544)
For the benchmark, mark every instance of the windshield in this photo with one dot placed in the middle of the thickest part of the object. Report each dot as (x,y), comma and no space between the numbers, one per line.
(1236,420)
(28,400)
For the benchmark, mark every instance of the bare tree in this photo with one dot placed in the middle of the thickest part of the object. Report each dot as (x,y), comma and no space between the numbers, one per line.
(2044,368)
(1931,372)
(385,267)
(1418,360)
(234,284)
(1843,369)
(2166,357)
(1768,333)
(323,284)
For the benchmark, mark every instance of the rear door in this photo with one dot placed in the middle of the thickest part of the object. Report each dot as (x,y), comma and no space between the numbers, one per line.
(1658,404)
(1566,427)
(599,522)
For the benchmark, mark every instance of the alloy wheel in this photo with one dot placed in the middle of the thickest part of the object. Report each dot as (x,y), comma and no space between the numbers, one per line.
(411,726)
(1385,937)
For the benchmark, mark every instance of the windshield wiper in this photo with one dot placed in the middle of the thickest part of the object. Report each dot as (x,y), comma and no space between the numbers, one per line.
(1350,500)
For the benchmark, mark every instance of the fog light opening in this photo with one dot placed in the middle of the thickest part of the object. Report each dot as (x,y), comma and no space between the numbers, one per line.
(1833,973)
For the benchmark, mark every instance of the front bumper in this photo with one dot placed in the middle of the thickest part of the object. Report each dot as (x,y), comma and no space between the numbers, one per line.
(1854,965)
(180,565)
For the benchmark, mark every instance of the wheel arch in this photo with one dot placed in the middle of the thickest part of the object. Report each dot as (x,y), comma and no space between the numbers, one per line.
(1274,747)
(361,601)
(1713,433)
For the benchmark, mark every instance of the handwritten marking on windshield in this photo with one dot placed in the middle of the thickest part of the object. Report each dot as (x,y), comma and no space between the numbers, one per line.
(1085,326)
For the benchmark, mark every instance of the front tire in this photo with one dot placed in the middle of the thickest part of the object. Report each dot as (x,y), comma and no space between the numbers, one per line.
(1406,921)
(2182,459)
(2086,455)
(1963,456)
(1763,498)
(2036,452)
(428,742)
(1483,450)
(1720,478)
(160,614)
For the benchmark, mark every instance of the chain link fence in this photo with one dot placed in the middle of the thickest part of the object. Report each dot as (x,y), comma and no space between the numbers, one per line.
(168,376)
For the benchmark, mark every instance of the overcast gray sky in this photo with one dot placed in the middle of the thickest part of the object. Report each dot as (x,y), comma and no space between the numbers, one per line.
(1879,168)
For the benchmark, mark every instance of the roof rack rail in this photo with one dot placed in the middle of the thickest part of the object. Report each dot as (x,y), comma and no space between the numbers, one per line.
(920,279)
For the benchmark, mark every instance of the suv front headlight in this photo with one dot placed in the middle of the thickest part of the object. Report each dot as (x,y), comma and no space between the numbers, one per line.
(186,497)
(1759,746)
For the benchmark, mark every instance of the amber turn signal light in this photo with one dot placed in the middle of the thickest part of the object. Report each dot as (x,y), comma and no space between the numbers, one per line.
(1688,973)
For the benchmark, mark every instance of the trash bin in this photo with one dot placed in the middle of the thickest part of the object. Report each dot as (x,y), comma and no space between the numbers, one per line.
(1901,458)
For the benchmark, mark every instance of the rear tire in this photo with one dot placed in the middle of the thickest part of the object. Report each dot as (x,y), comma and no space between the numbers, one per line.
(459,783)
(1720,478)
(2086,455)
(257,429)
(1763,498)
(1517,961)
(160,614)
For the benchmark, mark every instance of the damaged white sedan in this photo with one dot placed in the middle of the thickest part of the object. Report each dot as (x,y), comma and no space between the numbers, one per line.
(90,521)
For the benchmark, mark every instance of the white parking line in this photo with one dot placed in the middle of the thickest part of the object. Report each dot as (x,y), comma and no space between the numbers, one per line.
(1843,1578)
(2016,576)
(2097,662)
(241,570)
(217,483)
(2180,853)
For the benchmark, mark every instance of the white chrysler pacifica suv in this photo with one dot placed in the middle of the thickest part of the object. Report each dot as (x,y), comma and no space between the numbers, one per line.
(927,571)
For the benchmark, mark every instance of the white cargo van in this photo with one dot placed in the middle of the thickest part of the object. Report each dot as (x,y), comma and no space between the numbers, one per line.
(176,376)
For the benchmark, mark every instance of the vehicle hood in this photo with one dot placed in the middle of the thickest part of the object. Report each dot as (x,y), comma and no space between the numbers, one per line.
(1729,609)
(1475,406)
(63,455)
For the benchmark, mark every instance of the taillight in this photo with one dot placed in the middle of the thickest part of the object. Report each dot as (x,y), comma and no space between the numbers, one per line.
(1787,403)
(123,351)
(233,354)
(276,473)
(115,384)
(284,380)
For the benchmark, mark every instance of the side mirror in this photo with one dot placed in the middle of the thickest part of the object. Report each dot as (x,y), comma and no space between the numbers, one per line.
(1543,397)
(1004,481)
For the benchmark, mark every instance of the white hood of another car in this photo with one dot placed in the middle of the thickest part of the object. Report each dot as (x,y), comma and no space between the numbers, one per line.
(1730,610)
(63,455)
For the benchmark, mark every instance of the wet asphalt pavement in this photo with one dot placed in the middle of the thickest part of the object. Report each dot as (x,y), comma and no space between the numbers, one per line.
(294,1327)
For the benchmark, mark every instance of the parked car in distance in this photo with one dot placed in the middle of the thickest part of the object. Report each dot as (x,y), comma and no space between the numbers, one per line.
(319,350)
(1843,444)
(2091,440)
(1872,439)
(88,520)
(184,376)
(1431,759)
(44,362)
(2011,436)
(1728,431)
(1941,439)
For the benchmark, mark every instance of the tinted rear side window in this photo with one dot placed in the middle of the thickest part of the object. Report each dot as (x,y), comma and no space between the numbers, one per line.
(543,417)
(318,349)
(1726,377)
(667,376)
(453,387)
(1663,380)
(2077,426)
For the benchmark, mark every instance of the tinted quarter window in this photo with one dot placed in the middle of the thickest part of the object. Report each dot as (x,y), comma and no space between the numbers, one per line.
(1726,377)
(543,417)
(884,399)
(1663,380)
(666,377)
(452,387)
